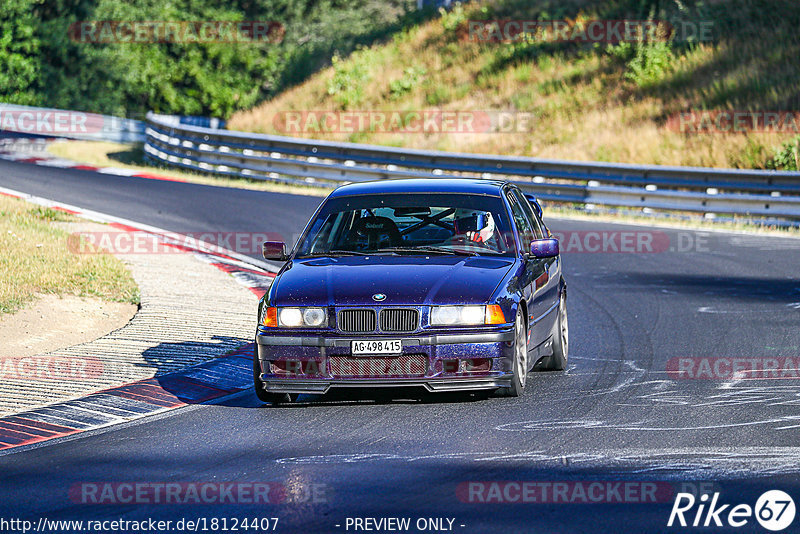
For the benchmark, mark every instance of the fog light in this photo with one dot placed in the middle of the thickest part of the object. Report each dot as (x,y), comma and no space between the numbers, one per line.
(297,367)
(286,367)
(450,366)
(477,365)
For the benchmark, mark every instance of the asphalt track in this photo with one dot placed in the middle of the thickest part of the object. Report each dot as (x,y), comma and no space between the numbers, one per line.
(615,415)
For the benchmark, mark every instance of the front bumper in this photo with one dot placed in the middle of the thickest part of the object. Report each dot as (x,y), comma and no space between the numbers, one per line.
(495,346)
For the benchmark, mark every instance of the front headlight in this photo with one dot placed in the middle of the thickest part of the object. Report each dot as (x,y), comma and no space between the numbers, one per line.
(314,317)
(466,315)
(294,317)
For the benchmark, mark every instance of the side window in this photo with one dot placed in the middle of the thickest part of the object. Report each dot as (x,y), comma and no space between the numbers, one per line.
(327,232)
(538,232)
(521,221)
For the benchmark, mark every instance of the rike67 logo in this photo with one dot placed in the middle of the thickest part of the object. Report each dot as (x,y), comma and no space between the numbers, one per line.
(774,510)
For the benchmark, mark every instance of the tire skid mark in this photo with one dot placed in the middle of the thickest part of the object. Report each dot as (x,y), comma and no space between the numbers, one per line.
(731,462)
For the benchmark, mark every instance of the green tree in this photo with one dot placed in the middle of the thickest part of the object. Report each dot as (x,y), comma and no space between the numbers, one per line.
(20,60)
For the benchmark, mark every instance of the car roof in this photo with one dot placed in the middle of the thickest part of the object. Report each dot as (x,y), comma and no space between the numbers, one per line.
(474,186)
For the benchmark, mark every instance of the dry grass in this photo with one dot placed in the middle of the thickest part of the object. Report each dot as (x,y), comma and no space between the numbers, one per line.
(36,260)
(585,107)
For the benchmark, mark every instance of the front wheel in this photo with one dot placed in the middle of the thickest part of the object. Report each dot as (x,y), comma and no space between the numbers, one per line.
(264,395)
(561,337)
(520,361)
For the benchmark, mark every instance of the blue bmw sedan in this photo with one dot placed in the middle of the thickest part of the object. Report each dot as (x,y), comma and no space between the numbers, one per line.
(444,284)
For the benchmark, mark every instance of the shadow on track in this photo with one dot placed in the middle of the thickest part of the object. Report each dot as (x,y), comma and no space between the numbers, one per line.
(190,371)
(734,287)
(363,397)
(210,379)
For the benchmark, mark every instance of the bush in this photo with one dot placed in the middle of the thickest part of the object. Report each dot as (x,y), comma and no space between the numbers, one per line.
(439,95)
(646,62)
(349,77)
(650,63)
(787,156)
(409,80)
(452,20)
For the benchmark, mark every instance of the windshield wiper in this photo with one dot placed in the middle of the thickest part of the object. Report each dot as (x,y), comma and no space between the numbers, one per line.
(334,253)
(429,249)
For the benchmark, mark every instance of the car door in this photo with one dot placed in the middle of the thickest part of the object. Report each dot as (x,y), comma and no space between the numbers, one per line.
(531,270)
(545,273)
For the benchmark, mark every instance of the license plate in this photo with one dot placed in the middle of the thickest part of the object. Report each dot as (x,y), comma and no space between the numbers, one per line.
(382,346)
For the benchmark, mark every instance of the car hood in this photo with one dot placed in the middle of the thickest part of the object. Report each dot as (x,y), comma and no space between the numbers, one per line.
(405,280)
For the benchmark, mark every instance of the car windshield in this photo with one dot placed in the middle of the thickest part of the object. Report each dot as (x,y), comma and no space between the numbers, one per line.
(401,224)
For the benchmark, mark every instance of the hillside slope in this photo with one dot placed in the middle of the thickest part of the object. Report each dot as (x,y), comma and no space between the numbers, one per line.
(582,100)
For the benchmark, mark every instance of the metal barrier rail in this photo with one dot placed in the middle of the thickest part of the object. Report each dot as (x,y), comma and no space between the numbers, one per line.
(51,122)
(311,162)
(30,121)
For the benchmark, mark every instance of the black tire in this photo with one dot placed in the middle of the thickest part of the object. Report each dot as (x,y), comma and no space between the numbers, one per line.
(558,362)
(261,393)
(520,361)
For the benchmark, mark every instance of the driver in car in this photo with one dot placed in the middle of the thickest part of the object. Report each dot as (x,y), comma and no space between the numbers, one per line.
(475,226)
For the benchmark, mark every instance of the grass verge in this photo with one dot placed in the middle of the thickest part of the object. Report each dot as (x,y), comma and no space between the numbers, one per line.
(36,260)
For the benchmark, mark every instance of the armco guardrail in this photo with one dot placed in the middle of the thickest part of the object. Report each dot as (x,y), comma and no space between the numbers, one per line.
(50,122)
(32,121)
(310,162)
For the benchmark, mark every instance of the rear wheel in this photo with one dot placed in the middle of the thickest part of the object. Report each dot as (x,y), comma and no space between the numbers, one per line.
(520,362)
(561,337)
(261,393)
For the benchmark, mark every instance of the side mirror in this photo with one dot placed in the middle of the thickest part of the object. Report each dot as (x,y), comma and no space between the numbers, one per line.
(274,250)
(544,248)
